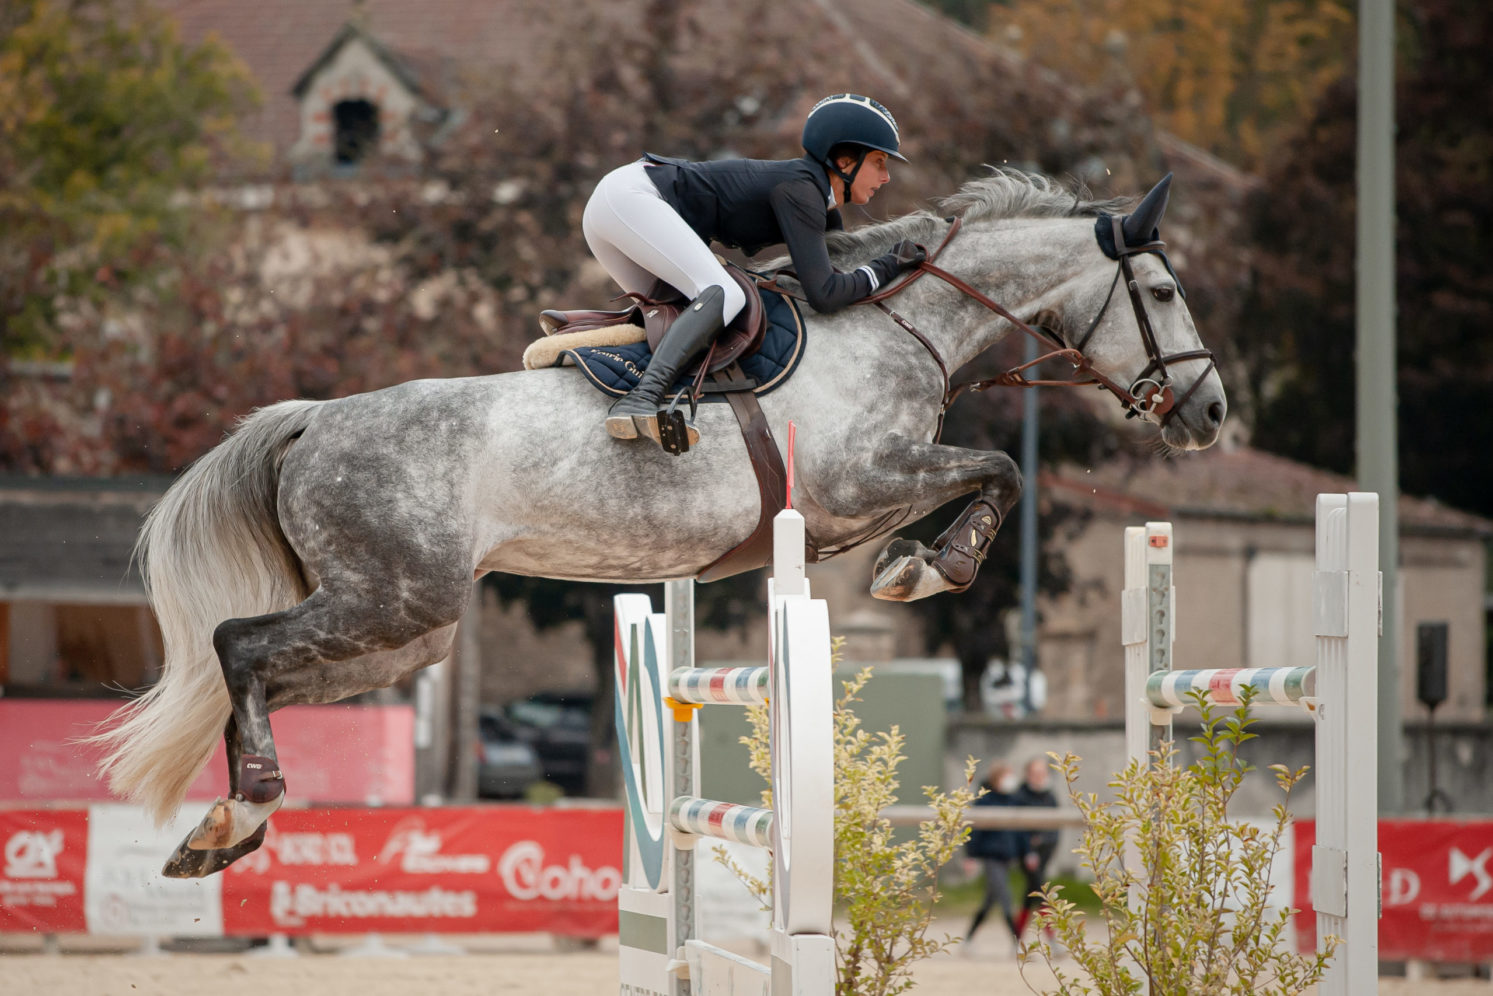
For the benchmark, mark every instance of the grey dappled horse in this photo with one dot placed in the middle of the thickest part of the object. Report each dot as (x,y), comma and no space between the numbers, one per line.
(328,547)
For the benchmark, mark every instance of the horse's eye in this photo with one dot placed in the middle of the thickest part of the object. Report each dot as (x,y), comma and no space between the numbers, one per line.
(1164,293)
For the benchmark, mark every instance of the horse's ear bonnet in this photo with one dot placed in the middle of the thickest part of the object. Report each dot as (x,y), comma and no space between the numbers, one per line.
(1140,230)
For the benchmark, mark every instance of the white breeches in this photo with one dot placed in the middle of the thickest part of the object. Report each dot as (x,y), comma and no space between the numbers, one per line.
(638,237)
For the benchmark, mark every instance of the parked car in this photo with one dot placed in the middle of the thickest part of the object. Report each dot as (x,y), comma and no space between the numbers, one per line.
(506,763)
(558,726)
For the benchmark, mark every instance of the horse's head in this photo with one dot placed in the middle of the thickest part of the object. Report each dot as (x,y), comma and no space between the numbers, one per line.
(1138,335)
(1099,280)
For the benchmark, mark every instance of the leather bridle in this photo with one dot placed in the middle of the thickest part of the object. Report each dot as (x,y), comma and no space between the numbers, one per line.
(1150,395)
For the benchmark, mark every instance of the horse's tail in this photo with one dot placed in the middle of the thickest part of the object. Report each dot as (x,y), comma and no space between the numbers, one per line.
(211,549)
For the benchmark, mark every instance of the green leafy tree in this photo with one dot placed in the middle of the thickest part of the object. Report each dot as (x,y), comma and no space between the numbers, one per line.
(886,883)
(1184,890)
(106,119)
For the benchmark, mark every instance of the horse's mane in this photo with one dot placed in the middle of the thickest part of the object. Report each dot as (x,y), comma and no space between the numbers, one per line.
(1005,193)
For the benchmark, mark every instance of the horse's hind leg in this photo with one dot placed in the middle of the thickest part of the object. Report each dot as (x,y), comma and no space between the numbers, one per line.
(190,862)
(291,656)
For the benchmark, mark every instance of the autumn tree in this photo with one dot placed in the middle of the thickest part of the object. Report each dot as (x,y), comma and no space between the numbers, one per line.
(1232,77)
(106,119)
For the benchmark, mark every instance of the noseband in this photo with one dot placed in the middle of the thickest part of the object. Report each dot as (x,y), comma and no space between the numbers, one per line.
(1150,395)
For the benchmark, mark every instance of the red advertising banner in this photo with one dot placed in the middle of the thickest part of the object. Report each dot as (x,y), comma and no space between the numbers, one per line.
(362,755)
(1438,889)
(457,870)
(43,856)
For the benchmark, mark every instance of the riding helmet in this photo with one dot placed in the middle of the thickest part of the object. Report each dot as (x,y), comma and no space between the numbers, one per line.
(849,117)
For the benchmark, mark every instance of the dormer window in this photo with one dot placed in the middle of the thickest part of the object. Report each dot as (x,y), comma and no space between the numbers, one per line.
(358,103)
(356,131)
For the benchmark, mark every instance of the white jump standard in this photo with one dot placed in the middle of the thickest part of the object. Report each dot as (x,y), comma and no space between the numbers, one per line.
(659,691)
(1340,691)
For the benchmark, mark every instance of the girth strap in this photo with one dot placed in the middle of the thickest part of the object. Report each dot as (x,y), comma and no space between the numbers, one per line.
(772,486)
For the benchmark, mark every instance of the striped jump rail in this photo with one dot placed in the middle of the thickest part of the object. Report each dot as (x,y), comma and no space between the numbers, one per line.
(719,685)
(722,820)
(1287,686)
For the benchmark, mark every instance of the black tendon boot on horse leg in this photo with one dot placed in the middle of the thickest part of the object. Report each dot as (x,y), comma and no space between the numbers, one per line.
(636,414)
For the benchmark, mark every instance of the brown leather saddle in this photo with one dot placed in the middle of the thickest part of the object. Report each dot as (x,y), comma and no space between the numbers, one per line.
(656,311)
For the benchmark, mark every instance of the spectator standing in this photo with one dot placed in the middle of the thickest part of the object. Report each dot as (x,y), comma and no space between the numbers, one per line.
(997,851)
(1035,790)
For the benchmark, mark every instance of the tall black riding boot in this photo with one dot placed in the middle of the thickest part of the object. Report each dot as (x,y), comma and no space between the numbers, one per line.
(636,414)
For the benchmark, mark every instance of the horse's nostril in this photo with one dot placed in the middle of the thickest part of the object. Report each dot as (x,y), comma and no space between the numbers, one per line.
(1216,412)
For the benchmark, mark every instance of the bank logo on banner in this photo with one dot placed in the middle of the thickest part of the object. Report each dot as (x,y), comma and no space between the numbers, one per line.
(32,854)
(419,852)
(41,858)
(1463,866)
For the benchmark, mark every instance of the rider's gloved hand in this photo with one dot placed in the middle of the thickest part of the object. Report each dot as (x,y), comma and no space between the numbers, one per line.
(904,255)
(907,254)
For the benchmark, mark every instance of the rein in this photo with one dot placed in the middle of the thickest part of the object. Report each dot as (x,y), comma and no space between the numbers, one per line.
(1149,396)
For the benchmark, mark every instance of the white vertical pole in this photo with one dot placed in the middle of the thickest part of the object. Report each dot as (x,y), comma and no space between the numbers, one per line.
(684,772)
(647,918)
(1147,628)
(788,553)
(803,777)
(1347,607)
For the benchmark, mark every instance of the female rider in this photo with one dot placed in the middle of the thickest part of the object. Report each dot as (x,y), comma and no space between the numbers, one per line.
(654,219)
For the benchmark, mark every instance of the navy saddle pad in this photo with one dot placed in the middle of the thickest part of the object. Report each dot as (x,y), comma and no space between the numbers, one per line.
(615,370)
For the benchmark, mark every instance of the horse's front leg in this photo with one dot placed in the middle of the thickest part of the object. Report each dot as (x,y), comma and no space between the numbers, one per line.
(930,475)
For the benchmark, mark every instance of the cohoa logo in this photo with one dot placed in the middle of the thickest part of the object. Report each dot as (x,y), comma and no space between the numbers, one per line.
(527,877)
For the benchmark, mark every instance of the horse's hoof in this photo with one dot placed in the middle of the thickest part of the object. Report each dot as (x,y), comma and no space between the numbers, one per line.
(899,581)
(230,821)
(187,863)
(898,548)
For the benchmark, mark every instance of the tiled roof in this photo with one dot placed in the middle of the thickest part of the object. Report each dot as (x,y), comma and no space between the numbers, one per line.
(1240,482)
(279,39)
(918,61)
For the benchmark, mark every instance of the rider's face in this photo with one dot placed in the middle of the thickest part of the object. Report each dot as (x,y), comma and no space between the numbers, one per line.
(872,176)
